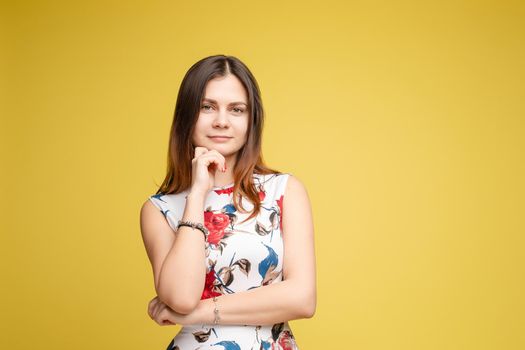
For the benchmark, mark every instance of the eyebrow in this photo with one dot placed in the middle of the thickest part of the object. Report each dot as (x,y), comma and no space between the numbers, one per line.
(233,103)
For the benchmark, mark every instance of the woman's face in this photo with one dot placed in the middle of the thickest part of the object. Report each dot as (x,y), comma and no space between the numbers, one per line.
(223,112)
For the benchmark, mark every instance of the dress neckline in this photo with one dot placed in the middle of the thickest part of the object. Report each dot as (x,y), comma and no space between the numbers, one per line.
(223,187)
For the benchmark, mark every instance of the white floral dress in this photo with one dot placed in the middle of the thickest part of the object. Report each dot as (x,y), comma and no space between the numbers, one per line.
(239,256)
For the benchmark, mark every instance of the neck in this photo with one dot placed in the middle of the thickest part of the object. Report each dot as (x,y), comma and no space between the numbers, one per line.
(226,178)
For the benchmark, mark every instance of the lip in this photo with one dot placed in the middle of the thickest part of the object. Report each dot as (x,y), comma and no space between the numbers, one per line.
(220,138)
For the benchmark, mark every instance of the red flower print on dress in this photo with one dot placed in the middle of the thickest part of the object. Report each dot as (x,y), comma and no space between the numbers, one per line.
(280,204)
(215,223)
(286,341)
(208,291)
(224,190)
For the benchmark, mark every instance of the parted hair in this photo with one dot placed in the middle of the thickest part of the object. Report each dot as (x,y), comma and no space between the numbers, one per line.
(181,150)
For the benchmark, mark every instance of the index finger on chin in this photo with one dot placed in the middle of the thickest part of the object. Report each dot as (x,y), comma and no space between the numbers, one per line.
(200,151)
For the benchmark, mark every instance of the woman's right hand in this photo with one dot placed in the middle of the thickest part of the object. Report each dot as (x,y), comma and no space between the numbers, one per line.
(204,165)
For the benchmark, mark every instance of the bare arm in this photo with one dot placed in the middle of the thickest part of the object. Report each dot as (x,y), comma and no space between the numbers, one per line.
(266,305)
(292,298)
(177,258)
(179,267)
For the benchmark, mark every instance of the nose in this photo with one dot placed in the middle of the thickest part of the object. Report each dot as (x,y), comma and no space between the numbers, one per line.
(221,119)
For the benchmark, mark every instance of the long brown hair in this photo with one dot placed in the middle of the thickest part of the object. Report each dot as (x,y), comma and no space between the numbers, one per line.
(249,158)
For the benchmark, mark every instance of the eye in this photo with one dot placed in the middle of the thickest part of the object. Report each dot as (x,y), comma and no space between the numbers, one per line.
(205,107)
(238,110)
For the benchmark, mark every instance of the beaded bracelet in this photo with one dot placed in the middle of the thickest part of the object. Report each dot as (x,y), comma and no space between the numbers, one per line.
(194,225)
(216,311)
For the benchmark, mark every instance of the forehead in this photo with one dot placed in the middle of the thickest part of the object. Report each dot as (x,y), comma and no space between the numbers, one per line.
(226,90)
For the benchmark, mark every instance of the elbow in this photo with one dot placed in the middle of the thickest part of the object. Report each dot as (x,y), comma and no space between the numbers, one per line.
(182,307)
(180,297)
(177,302)
(308,306)
(308,311)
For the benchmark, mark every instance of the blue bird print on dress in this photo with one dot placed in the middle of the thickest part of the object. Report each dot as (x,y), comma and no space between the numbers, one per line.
(267,266)
(266,345)
(229,345)
(229,208)
(159,197)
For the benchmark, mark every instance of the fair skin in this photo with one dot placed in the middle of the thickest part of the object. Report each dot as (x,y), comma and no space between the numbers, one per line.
(224,111)
(180,255)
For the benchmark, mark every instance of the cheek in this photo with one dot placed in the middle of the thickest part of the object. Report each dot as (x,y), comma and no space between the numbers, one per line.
(199,129)
(196,138)
(242,127)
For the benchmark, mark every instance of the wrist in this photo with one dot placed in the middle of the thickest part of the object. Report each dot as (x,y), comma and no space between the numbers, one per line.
(194,225)
(205,311)
(216,315)
(196,195)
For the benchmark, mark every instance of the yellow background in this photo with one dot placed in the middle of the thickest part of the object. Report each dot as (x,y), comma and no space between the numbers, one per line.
(404,119)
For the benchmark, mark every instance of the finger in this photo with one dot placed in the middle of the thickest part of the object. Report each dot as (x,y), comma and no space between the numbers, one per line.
(151,305)
(159,313)
(162,308)
(165,317)
(209,160)
(156,309)
(200,151)
(213,158)
(221,157)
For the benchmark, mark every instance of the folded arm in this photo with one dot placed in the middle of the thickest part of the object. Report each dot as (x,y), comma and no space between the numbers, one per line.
(292,298)
(277,302)
(176,257)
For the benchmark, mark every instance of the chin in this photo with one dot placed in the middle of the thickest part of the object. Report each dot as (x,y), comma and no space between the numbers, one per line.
(222,150)
(225,150)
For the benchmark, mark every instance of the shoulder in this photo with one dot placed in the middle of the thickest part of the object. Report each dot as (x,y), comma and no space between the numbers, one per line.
(170,205)
(154,203)
(272,179)
(296,207)
(286,182)
(152,207)
(152,218)
(166,202)
(294,186)
(285,185)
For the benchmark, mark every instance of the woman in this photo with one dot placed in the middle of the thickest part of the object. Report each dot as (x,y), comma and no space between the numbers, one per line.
(232,246)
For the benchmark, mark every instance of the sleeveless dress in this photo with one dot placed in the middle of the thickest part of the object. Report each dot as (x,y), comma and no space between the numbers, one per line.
(239,256)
